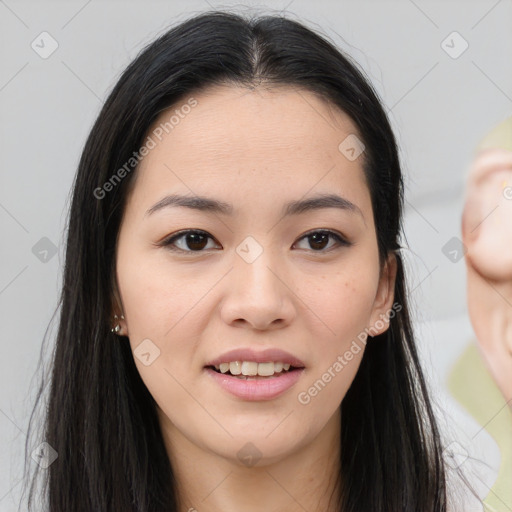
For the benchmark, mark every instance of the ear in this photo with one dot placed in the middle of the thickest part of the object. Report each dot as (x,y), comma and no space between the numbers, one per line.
(383,305)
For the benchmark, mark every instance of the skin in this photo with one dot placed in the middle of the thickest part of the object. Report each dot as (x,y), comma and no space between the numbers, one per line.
(255,149)
(487,234)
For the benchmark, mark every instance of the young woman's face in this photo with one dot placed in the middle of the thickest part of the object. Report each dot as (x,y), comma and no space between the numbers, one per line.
(260,276)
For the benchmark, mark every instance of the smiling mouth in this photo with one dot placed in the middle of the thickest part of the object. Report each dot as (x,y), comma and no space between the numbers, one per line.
(253,371)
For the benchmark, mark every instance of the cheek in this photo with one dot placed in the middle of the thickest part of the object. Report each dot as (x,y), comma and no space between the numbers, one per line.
(158,299)
(161,317)
(161,322)
(343,301)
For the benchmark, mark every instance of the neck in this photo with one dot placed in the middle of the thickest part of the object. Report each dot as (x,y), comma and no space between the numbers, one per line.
(306,479)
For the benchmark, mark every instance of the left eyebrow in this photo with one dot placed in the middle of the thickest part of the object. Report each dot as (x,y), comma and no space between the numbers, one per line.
(321,201)
(207,204)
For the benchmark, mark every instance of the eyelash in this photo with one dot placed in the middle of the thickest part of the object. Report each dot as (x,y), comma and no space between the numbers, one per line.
(167,242)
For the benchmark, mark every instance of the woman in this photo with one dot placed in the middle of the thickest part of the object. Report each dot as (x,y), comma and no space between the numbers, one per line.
(234,328)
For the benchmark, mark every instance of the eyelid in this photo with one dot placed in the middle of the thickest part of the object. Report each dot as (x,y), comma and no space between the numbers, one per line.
(341,240)
(339,237)
(168,240)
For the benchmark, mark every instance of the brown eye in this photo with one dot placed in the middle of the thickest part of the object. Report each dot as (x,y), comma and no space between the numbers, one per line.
(197,241)
(318,240)
(188,241)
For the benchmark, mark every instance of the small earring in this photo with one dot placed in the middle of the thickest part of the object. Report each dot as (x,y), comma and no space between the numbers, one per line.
(117,327)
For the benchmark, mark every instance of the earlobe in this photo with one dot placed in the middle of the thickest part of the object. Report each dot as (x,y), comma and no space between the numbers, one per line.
(119,327)
(118,322)
(383,309)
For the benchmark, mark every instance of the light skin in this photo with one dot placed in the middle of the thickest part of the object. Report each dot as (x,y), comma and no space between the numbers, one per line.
(487,234)
(255,149)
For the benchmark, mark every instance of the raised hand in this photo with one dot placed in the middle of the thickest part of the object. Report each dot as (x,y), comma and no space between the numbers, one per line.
(487,234)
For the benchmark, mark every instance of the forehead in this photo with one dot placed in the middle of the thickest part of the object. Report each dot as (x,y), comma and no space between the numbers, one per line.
(265,137)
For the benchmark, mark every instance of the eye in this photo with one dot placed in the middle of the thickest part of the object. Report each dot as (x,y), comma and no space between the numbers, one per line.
(317,239)
(194,240)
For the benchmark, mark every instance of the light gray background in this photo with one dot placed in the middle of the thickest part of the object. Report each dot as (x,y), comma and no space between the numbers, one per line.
(440,108)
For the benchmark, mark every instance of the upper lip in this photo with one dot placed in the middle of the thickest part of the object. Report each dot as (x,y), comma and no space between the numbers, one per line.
(262,356)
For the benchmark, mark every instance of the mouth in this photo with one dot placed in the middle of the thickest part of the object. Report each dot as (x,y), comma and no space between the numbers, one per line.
(251,370)
(255,375)
(255,387)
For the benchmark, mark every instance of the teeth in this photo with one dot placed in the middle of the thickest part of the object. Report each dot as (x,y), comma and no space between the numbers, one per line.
(250,368)
(235,367)
(265,369)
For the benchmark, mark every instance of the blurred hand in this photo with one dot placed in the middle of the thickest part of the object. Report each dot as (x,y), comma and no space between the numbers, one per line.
(487,234)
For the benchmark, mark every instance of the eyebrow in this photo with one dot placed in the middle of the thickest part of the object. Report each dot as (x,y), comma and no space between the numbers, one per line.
(210,205)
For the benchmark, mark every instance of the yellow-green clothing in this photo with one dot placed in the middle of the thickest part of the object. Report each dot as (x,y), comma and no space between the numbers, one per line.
(471,383)
(499,137)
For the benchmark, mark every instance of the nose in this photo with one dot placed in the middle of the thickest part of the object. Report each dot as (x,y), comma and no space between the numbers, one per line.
(257,295)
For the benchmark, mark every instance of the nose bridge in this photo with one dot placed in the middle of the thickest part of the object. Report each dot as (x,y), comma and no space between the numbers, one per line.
(253,266)
(255,293)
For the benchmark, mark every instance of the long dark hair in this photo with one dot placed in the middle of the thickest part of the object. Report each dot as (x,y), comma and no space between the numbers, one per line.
(100,418)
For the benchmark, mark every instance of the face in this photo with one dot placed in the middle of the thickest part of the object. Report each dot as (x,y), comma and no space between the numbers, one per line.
(283,284)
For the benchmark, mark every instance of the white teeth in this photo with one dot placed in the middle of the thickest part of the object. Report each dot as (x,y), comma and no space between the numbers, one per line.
(278,367)
(265,369)
(235,367)
(250,368)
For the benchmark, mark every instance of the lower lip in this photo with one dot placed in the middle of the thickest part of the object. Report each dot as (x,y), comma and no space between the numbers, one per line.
(258,389)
